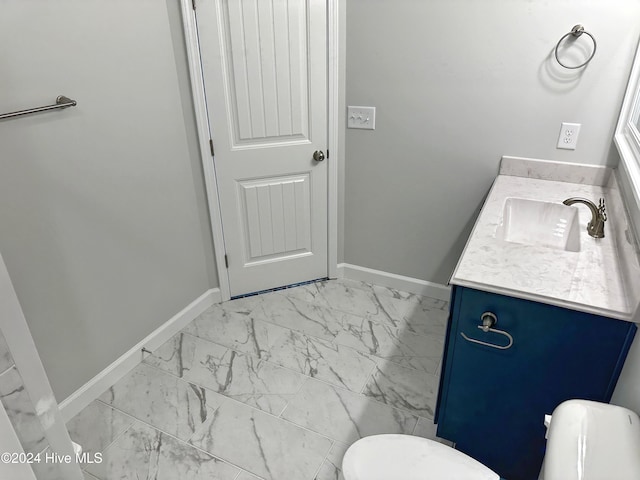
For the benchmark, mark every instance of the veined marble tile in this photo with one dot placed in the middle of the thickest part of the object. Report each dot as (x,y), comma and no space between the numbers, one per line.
(296,314)
(406,388)
(49,470)
(423,316)
(333,363)
(246,304)
(337,295)
(163,400)
(331,469)
(343,415)
(429,317)
(379,290)
(145,453)
(395,344)
(309,293)
(416,313)
(97,426)
(6,360)
(311,356)
(238,331)
(261,444)
(21,412)
(241,377)
(247,476)
(397,294)
(55,471)
(426,428)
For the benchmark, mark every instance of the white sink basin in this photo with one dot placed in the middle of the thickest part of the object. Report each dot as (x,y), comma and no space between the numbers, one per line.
(545,224)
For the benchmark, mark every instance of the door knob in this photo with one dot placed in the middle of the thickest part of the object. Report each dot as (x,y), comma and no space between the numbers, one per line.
(318,155)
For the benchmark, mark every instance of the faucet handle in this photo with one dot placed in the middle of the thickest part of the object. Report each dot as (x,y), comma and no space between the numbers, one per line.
(601,209)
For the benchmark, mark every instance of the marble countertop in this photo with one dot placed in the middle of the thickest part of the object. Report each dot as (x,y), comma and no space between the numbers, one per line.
(591,280)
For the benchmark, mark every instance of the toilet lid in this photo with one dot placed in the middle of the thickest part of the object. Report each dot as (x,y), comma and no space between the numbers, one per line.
(393,457)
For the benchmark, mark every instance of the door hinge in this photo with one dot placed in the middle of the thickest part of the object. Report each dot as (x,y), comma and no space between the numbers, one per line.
(193,4)
(226,261)
(211,147)
(327,154)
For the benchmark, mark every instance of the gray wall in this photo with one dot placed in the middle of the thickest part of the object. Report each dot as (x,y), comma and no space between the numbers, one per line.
(457,84)
(103,223)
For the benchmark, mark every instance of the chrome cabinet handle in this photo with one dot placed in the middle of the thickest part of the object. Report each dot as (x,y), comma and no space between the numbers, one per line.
(488,321)
(318,155)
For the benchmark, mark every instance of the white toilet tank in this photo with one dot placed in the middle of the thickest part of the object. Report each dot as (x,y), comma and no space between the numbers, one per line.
(592,441)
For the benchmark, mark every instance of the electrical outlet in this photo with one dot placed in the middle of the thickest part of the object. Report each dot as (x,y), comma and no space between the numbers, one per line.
(568,138)
(361,117)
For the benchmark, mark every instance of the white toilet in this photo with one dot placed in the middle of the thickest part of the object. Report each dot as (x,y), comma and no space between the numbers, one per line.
(585,441)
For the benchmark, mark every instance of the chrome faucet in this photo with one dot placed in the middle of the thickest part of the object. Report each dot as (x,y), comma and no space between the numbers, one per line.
(595,227)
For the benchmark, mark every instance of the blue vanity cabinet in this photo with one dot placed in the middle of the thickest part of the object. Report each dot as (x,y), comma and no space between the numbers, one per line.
(492,402)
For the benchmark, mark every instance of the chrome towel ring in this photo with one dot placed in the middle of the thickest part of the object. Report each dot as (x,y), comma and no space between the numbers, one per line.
(488,321)
(576,31)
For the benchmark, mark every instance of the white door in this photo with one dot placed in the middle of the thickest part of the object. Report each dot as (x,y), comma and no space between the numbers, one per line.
(265,74)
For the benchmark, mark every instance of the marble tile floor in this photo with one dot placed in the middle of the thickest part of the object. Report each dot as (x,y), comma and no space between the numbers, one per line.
(273,387)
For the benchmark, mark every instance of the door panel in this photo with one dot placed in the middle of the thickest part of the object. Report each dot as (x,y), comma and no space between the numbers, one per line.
(276,214)
(265,72)
(265,48)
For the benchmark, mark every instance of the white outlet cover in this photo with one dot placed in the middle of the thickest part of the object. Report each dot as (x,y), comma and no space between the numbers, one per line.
(361,117)
(568,138)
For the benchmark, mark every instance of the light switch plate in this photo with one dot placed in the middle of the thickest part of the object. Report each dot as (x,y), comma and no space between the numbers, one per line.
(568,138)
(361,117)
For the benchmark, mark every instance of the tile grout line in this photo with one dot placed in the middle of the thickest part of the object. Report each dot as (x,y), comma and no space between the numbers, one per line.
(270,362)
(238,352)
(363,397)
(121,434)
(116,438)
(331,308)
(384,403)
(413,432)
(293,396)
(368,319)
(360,392)
(153,427)
(9,368)
(369,377)
(315,475)
(419,298)
(312,337)
(226,397)
(348,347)
(229,399)
(376,360)
(375,366)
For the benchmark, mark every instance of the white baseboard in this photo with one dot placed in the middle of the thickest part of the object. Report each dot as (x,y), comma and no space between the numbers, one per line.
(391,280)
(91,390)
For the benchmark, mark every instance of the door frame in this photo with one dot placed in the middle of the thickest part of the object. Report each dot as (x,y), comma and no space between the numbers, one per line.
(335,55)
